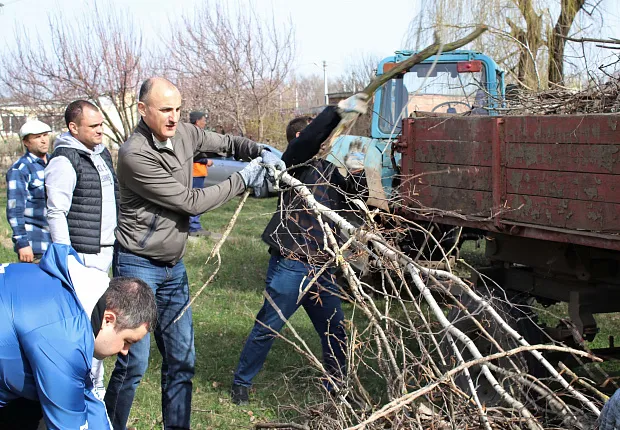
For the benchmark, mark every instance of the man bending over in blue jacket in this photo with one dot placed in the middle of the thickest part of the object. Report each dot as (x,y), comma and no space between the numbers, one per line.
(54,317)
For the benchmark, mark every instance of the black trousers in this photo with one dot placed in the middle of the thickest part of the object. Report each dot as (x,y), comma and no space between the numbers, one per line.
(21,414)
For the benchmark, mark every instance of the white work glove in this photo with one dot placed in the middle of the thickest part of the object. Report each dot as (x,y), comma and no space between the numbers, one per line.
(356,104)
(253,174)
(354,161)
(273,165)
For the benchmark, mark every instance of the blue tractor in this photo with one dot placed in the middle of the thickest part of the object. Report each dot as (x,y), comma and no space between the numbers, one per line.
(457,82)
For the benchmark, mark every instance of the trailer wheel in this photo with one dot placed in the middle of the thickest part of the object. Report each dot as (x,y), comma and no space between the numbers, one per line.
(521,318)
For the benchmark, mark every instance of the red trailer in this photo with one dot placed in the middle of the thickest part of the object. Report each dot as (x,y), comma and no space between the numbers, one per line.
(543,190)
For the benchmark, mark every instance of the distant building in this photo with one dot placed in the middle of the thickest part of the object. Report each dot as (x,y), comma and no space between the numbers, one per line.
(13,115)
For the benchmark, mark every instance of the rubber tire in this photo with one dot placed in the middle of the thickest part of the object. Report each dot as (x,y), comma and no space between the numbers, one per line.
(520,318)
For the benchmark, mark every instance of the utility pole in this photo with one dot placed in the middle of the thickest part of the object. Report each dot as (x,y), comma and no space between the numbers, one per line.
(325,81)
(296,99)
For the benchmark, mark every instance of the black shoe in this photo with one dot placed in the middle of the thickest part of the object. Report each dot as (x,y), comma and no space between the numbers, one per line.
(240,395)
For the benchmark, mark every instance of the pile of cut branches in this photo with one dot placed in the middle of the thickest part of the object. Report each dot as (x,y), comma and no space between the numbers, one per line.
(427,349)
(412,364)
(597,98)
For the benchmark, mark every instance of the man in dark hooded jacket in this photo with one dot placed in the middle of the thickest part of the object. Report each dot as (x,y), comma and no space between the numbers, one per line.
(296,241)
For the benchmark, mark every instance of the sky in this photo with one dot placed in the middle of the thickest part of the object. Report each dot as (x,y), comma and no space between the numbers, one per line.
(335,31)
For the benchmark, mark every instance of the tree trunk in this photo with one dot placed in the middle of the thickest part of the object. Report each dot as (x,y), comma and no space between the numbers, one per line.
(557,40)
(530,40)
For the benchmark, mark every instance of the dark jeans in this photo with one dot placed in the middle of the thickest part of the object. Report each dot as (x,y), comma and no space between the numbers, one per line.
(194,220)
(21,414)
(175,342)
(284,278)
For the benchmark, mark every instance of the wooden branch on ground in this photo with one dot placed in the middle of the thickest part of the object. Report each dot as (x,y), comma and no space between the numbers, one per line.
(366,304)
(281,426)
(216,252)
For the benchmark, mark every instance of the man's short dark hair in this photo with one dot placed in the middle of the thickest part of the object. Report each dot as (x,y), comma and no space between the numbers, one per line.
(133,302)
(75,110)
(196,116)
(145,89)
(296,125)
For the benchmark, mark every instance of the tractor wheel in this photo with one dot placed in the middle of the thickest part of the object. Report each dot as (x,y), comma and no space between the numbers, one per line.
(521,318)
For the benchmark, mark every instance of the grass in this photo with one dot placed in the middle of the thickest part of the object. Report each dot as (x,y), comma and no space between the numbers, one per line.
(223,316)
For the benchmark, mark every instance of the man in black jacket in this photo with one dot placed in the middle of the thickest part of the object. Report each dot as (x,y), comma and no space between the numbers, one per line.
(200,168)
(82,194)
(296,241)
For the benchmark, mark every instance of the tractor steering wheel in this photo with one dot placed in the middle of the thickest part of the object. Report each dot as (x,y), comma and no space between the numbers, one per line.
(449,103)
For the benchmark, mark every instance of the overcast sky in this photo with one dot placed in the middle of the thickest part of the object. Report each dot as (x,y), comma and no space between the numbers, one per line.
(332,30)
(337,31)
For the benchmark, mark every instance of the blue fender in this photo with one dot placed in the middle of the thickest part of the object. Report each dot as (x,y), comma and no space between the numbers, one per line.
(377,164)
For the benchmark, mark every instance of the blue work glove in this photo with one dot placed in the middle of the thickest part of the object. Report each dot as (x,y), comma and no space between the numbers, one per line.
(273,160)
(274,165)
(253,174)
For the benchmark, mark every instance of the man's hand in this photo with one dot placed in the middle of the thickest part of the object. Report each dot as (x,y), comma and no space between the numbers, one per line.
(253,174)
(272,161)
(356,104)
(25,254)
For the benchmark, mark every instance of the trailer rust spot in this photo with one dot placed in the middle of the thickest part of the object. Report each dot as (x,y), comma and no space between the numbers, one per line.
(515,180)
(594,216)
(591,192)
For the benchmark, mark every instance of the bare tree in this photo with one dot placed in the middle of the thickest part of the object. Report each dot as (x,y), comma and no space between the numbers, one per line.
(557,38)
(242,59)
(358,73)
(99,59)
(527,37)
(310,91)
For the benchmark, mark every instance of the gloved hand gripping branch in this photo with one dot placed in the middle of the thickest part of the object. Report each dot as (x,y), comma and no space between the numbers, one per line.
(273,165)
(353,106)
(254,173)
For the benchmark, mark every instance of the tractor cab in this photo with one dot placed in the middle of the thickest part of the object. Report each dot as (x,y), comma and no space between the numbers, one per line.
(458,82)
(450,83)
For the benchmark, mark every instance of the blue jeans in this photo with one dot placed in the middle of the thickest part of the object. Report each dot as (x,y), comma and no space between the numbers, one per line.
(175,342)
(194,220)
(284,278)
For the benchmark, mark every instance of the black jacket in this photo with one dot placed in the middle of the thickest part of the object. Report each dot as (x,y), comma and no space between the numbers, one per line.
(294,231)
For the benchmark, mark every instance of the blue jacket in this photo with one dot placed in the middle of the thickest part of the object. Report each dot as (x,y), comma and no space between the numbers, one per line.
(47,343)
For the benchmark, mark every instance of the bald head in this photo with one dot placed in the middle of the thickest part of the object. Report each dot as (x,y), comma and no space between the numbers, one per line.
(157,84)
(160,107)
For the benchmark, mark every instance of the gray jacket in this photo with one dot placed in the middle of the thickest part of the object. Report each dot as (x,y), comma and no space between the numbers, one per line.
(157,197)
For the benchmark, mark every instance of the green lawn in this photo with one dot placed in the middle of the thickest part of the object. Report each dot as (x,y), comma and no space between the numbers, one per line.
(224,315)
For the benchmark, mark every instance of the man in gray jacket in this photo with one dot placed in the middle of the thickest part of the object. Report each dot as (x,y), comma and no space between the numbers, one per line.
(155,176)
